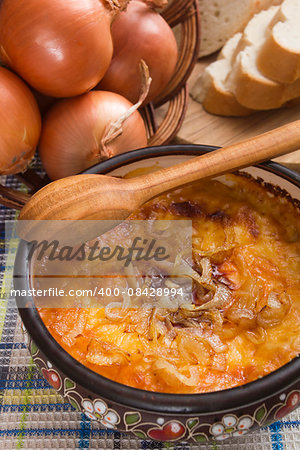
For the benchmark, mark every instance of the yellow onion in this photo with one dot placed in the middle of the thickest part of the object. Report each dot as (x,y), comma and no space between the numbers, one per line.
(140,33)
(82,131)
(62,48)
(20,124)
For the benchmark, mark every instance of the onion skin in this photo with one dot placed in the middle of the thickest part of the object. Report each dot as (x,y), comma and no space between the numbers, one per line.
(20,124)
(62,48)
(140,33)
(74,128)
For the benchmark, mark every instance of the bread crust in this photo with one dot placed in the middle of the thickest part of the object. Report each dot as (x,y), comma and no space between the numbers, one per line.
(278,63)
(223,103)
(211,90)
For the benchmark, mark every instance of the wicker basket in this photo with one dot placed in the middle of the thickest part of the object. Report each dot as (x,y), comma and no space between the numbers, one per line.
(184,15)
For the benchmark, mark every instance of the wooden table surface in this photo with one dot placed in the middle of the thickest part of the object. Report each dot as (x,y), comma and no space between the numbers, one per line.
(202,128)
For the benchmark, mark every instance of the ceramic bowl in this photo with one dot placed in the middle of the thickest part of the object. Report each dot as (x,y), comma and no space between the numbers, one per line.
(157,416)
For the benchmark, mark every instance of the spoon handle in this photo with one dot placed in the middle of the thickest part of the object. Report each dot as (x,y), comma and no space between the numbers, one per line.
(269,145)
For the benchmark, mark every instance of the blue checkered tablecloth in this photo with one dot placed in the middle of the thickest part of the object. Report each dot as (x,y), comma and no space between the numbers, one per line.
(34,416)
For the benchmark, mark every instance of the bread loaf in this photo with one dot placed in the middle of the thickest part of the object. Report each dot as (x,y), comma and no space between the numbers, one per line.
(221,19)
(234,84)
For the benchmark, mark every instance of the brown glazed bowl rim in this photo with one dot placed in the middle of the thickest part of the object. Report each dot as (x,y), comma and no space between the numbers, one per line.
(180,404)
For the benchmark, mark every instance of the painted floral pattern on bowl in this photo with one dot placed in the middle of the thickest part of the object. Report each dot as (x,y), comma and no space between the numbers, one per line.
(98,410)
(159,427)
(291,403)
(231,426)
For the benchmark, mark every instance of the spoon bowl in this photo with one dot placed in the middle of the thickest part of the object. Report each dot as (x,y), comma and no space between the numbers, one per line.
(99,197)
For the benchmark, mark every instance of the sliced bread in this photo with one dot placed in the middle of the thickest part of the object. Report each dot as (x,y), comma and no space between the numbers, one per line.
(279,58)
(251,88)
(211,90)
(221,19)
(234,84)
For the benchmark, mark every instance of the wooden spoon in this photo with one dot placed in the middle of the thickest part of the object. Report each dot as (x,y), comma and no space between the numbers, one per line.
(107,198)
